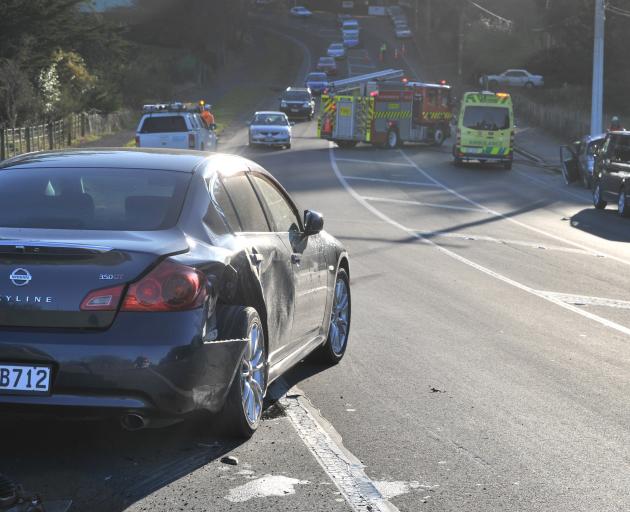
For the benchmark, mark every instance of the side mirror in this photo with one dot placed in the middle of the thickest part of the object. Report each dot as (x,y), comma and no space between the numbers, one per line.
(313,222)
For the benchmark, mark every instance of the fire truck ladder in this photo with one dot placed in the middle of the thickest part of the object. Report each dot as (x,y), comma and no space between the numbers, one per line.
(356,82)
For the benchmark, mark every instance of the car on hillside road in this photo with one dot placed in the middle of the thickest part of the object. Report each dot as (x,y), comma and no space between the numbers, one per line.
(270,128)
(337,51)
(578,159)
(327,65)
(513,78)
(174,126)
(403,32)
(351,38)
(148,285)
(317,82)
(300,12)
(297,102)
(611,176)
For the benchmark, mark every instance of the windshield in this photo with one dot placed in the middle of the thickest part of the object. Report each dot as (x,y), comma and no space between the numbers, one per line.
(317,77)
(487,118)
(270,119)
(296,96)
(91,199)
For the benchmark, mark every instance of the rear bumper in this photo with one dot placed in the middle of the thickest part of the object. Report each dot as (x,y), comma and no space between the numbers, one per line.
(297,111)
(158,365)
(473,154)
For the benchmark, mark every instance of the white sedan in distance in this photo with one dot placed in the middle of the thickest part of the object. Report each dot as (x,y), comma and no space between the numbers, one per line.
(514,78)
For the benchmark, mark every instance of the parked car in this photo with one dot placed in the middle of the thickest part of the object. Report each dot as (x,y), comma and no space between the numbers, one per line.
(317,82)
(300,12)
(578,159)
(351,38)
(297,102)
(514,78)
(611,177)
(327,65)
(337,50)
(150,284)
(270,129)
(174,126)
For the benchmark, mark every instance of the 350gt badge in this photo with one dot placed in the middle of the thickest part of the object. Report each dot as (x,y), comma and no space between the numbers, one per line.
(20,277)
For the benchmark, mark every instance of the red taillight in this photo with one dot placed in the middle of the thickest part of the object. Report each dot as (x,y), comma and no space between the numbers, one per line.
(191,141)
(137,141)
(168,287)
(105,299)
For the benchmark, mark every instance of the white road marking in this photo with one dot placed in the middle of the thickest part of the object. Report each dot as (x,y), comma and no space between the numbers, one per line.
(509,219)
(393,489)
(320,437)
(393,182)
(373,162)
(533,245)
(268,485)
(418,203)
(585,300)
(603,321)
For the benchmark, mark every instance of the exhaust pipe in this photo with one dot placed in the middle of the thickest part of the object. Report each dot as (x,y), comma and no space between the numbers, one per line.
(133,421)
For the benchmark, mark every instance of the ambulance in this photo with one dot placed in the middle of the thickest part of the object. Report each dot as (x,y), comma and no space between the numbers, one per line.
(485,129)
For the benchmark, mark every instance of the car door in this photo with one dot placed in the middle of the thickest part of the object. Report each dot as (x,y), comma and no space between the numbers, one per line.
(267,254)
(605,168)
(307,259)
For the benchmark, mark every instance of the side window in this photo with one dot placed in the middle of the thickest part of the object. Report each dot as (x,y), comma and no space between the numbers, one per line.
(225,206)
(246,204)
(431,97)
(282,212)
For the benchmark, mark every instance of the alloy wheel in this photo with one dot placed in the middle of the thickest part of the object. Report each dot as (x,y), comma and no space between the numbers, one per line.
(253,376)
(340,318)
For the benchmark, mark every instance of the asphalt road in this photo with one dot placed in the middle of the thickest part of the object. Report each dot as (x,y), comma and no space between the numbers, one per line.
(488,365)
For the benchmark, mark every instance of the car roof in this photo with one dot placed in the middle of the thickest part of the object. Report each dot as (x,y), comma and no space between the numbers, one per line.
(123,158)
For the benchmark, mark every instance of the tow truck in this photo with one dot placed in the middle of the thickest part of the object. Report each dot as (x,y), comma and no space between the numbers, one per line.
(385,109)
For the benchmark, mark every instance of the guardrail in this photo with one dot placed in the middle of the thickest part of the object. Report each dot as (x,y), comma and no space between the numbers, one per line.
(59,134)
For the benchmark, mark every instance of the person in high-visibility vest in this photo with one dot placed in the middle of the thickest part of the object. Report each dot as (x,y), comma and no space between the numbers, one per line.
(206,115)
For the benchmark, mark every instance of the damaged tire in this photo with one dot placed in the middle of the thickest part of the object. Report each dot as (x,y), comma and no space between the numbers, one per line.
(244,404)
(334,349)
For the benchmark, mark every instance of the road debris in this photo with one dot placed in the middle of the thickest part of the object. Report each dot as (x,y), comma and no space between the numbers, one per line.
(230,459)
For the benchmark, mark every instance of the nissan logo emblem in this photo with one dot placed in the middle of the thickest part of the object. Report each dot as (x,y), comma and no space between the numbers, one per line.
(20,277)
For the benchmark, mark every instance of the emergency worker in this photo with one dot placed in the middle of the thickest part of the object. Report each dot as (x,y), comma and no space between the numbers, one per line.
(615,124)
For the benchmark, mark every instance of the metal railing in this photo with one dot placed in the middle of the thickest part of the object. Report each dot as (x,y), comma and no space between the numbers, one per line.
(59,134)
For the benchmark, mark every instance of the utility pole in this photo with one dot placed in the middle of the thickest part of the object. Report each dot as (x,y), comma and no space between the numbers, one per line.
(460,41)
(597,100)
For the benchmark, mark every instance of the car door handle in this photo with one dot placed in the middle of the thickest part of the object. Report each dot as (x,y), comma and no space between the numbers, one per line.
(296,258)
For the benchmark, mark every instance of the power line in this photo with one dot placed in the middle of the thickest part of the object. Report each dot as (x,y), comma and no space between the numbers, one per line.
(490,13)
(617,10)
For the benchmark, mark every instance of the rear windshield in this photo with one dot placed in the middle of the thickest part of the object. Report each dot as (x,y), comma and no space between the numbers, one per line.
(317,77)
(164,124)
(487,118)
(91,199)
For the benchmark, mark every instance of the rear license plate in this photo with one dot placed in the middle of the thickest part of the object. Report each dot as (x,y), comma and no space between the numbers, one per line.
(24,379)
(295,109)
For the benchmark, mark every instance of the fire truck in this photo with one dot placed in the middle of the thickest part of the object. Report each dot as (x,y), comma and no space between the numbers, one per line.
(385,109)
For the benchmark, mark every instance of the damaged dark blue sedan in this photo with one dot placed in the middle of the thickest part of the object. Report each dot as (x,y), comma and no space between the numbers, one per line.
(150,284)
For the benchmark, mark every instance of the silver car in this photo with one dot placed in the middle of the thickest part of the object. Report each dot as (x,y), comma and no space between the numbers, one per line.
(270,129)
(578,159)
(514,78)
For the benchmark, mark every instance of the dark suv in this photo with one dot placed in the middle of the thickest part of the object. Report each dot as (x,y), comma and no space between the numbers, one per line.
(297,102)
(611,179)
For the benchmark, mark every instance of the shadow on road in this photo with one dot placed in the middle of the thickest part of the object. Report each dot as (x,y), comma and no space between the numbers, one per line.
(603,224)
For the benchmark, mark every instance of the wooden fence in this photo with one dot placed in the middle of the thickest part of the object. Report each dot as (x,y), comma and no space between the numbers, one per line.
(59,134)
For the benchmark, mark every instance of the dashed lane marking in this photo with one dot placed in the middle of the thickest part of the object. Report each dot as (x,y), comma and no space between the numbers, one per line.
(324,442)
(585,300)
(393,182)
(419,203)
(550,298)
